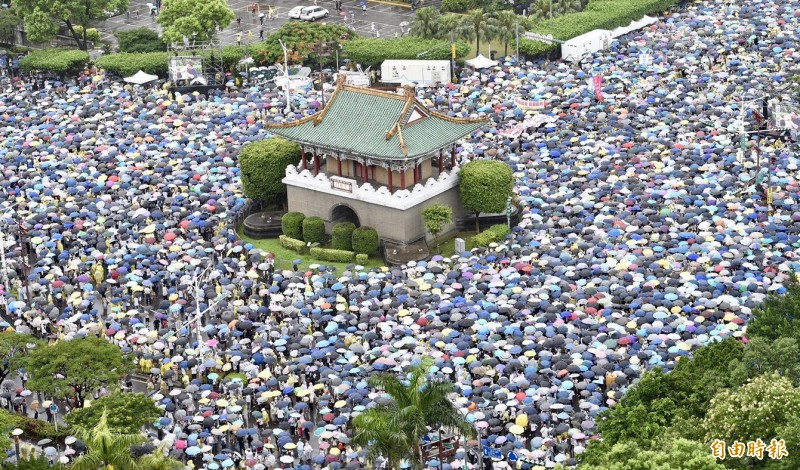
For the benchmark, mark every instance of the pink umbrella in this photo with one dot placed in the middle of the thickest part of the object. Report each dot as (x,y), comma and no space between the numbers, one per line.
(211,343)
(180,444)
(481,424)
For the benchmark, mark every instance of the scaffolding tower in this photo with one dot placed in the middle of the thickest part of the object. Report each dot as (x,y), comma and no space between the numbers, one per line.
(195,63)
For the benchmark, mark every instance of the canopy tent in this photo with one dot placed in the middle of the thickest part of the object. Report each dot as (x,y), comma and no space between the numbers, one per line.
(481,62)
(645,21)
(140,78)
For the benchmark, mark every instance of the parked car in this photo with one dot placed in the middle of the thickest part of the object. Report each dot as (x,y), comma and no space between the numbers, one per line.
(295,12)
(313,13)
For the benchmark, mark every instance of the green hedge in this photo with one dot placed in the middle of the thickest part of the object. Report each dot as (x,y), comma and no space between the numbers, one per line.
(599,14)
(313,230)
(457,6)
(125,64)
(494,234)
(59,61)
(365,240)
(342,236)
(362,259)
(292,224)
(293,244)
(373,51)
(337,256)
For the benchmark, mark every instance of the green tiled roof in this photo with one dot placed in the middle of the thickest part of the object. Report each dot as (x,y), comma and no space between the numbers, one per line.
(357,121)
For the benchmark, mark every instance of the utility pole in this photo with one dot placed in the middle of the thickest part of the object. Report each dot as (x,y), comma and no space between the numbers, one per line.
(286,76)
(197,284)
(323,49)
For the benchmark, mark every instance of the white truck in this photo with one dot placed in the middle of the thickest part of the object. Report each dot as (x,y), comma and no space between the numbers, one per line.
(415,72)
(579,47)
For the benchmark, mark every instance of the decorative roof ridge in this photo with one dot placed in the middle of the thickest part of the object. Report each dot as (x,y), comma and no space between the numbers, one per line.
(321,114)
(370,91)
(283,125)
(402,141)
(411,99)
(457,120)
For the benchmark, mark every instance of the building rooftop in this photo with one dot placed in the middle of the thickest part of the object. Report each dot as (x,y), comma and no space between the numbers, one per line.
(377,124)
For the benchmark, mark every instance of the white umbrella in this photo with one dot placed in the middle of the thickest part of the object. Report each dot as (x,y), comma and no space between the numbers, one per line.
(140,78)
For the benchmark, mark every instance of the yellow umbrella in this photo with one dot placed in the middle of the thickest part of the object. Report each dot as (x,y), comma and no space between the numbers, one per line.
(522,420)
(340,404)
(516,430)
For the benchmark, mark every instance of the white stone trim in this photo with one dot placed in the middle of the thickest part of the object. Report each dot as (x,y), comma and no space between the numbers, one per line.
(402,199)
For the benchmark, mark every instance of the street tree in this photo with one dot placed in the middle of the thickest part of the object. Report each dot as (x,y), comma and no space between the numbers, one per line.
(436,216)
(779,315)
(75,368)
(107,448)
(13,348)
(42,17)
(127,412)
(263,165)
(766,408)
(418,406)
(426,23)
(508,23)
(485,186)
(678,454)
(194,19)
(481,25)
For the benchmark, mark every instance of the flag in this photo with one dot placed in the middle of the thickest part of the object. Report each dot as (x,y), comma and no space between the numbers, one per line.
(598,86)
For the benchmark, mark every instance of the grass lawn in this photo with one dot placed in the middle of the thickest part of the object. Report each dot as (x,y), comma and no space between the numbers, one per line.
(446,246)
(284,257)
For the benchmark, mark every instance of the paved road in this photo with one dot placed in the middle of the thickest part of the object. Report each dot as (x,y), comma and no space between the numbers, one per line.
(385,18)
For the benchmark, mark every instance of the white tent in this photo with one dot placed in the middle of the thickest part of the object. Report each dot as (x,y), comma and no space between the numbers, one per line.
(140,78)
(481,62)
(635,25)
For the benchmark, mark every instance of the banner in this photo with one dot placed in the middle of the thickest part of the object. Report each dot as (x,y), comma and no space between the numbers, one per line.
(538,120)
(598,87)
(513,132)
(532,105)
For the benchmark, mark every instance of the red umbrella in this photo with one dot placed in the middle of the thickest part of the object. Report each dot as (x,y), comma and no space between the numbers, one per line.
(328,417)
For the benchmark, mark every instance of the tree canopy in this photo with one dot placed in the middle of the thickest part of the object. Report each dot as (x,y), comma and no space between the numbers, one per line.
(436,216)
(194,19)
(106,447)
(75,368)
(127,412)
(14,347)
(395,430)
(485,186)
(42,17)
(263,166)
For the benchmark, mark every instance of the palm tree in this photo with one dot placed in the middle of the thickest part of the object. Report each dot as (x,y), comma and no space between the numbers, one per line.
(107,447)
(395,430)
(426,23)
(159,460)
(541,9)
(482,26)
(507,22)
(451,22)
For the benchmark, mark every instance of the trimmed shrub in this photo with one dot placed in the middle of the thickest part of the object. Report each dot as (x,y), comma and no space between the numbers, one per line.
(293,244)
(373,51)
(313,230)
(140,40)
(361,259)
(494,234)
(92,34)
(263,165)
(292,224)
(125,65)
(58,61)
(342,236)
(337,256)
(365,240)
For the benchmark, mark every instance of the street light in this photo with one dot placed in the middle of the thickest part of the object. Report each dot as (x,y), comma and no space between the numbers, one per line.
(16,433)
(286,75)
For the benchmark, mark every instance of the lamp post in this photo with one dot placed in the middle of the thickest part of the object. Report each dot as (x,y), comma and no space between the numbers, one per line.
(16,433)
(286,75)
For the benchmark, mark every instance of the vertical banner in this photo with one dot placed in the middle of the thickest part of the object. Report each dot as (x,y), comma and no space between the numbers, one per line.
(598,87)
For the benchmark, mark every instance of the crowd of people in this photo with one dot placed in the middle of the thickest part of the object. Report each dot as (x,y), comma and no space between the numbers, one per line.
(645,234)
